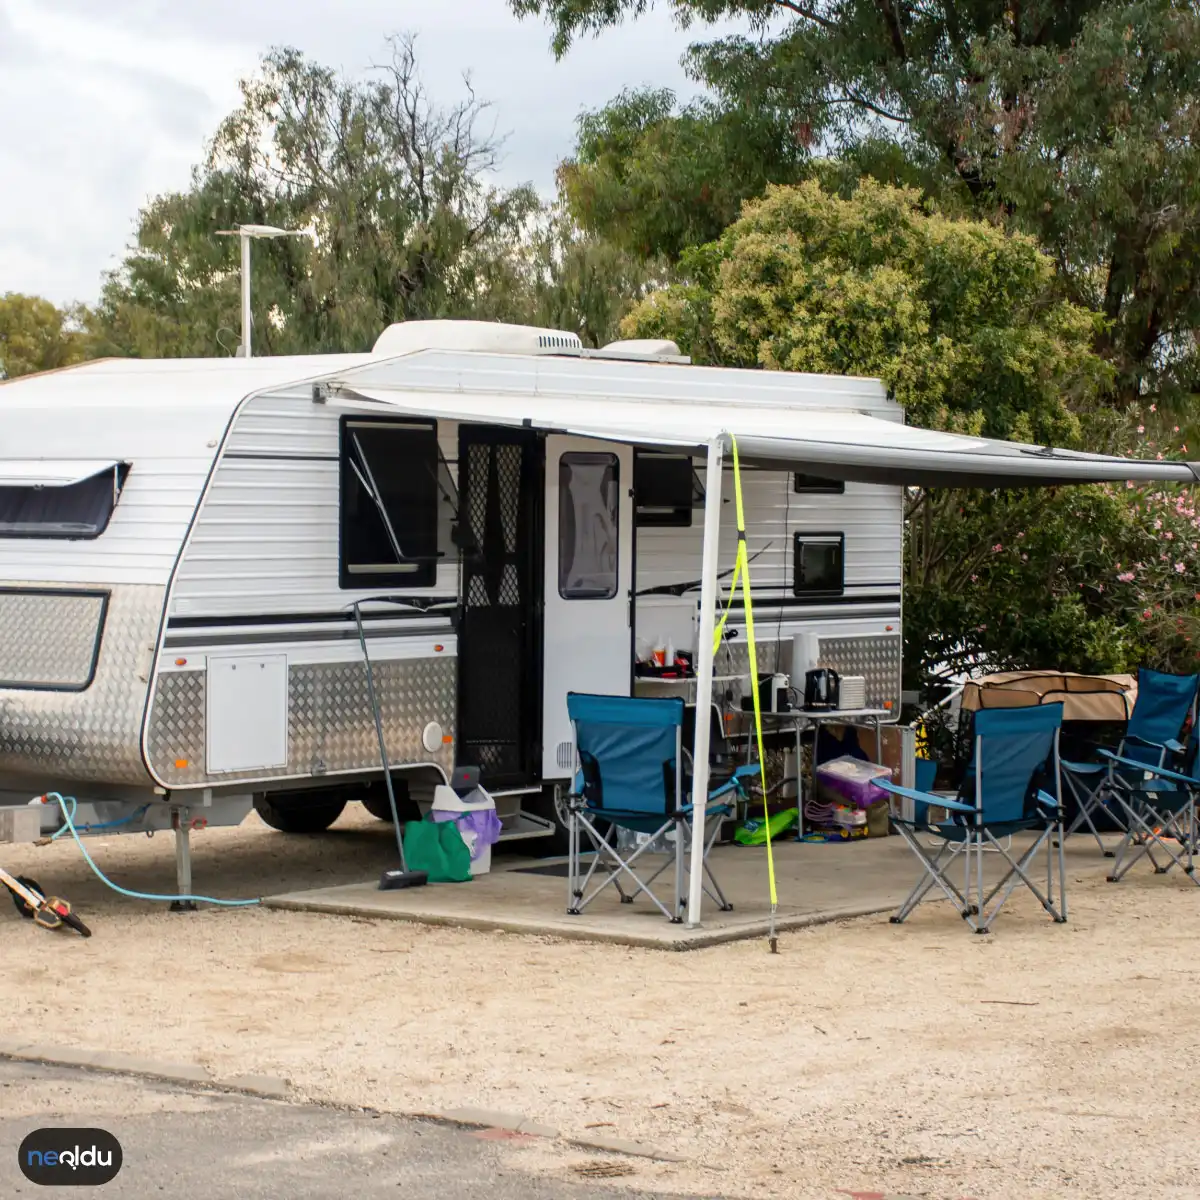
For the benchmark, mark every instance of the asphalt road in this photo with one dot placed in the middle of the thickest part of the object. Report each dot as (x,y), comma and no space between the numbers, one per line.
(180,1143)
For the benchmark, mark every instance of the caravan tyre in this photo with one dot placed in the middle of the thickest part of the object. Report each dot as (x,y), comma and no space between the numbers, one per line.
(376,802)
(298,814)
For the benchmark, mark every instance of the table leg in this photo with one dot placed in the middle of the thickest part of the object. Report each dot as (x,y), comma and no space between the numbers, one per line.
(799,778)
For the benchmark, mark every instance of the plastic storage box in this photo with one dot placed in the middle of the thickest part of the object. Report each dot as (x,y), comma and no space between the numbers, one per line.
(853,780)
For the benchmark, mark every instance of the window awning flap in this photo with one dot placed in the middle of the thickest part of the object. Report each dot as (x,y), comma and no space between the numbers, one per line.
(51,472)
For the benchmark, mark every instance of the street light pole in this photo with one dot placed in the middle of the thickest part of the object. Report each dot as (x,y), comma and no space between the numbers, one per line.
(246,233)
(245,347)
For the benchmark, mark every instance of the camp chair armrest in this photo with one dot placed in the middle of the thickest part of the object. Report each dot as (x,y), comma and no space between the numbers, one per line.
(1150,769)
(1047,800)
(1174,746)
(925,797)
(1078,768)
(1168,744)
(730,785)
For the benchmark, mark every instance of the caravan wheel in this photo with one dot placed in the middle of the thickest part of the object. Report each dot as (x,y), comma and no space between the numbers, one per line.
(376,802)
(298,812)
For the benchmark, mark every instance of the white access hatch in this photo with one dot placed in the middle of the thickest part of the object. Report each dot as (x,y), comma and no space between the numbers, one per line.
(247,712)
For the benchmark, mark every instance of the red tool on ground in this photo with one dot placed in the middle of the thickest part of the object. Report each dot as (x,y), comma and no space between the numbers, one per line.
(48,911)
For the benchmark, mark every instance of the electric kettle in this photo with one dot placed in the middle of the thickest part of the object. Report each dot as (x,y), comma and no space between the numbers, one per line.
(821,688)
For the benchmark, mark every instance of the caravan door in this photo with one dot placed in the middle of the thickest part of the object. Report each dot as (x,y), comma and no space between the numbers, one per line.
(589,583)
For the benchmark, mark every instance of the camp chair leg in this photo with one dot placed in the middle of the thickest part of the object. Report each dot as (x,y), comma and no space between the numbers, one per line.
(1149,829)
(1019,873)
(1062,871)
(609,860)
(1088,803)
(933,875)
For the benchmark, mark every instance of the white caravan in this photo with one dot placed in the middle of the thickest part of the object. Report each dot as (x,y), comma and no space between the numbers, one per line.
(186,548)
(182,544)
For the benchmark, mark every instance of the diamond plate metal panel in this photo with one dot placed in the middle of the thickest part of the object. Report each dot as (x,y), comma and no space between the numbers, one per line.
(877,658)
(176,729)
(330,726)
(49,638)
(92,735)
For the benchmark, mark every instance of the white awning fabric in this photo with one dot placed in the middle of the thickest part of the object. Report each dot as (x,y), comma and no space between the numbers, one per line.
(835,444)
(51,472)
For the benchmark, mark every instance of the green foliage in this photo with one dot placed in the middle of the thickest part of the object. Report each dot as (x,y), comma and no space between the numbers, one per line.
(571,280)
(37,336)
(955,316)
(656,182)
(962,322)
(392,188)
(405,225)
(1073,120)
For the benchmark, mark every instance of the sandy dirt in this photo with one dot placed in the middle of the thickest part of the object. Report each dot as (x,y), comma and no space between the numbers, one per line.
(1043,1061)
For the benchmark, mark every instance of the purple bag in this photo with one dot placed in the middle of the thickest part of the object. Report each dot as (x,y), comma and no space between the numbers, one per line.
(482,823)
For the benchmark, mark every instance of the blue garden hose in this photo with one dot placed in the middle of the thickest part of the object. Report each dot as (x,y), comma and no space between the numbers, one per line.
(68,826)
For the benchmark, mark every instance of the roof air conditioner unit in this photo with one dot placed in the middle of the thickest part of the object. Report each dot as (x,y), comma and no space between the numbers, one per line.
(485,337)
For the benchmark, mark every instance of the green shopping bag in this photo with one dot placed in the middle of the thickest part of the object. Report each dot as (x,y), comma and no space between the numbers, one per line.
(753,830)
(437,848)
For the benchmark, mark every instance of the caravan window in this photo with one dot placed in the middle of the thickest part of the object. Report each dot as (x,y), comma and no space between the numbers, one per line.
(588,508)
(817,484)
(45,509)
(818,567)
(664,489)
(389,509)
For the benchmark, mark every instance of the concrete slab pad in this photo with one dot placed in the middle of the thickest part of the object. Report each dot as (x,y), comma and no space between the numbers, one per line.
(815,883)
(270,1086)
(487,1118)
(108,1060)
(623,1146)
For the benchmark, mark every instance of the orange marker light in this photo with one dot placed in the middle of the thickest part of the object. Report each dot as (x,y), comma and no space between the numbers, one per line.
(181,662)
(447,740)
(438,649)
(180,763)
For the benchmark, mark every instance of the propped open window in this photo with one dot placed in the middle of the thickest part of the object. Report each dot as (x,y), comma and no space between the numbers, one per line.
(390,510)
(40,498)
(666,489)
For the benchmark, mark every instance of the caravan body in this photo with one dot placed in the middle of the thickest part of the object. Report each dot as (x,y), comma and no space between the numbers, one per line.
(183,543)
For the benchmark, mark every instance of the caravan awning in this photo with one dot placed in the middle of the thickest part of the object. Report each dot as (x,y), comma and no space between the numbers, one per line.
(51,472)
(836,444)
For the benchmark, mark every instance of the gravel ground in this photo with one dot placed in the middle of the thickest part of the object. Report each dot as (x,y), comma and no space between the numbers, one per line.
(1044,1061)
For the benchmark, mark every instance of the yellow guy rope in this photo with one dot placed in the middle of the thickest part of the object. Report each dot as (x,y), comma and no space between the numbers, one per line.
(741,570)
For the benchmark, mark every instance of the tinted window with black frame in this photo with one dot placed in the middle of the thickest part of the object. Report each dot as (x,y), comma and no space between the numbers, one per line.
(78,510)
(817,484)
(819,564)
(389,503)
(663,489)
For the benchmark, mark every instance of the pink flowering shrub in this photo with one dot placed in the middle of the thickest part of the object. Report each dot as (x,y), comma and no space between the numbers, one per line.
(1097,579)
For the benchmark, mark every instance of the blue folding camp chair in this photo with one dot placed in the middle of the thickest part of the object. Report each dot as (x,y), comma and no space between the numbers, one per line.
(1163,705)
(1159,807)
(1016,750)
(628,754)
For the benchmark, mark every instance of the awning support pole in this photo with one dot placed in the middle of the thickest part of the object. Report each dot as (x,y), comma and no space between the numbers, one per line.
(704,672)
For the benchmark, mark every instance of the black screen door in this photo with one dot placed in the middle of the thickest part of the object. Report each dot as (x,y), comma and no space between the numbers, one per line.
(499,639)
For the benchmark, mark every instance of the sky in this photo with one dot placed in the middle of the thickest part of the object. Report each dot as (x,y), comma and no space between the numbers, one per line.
(109,104)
